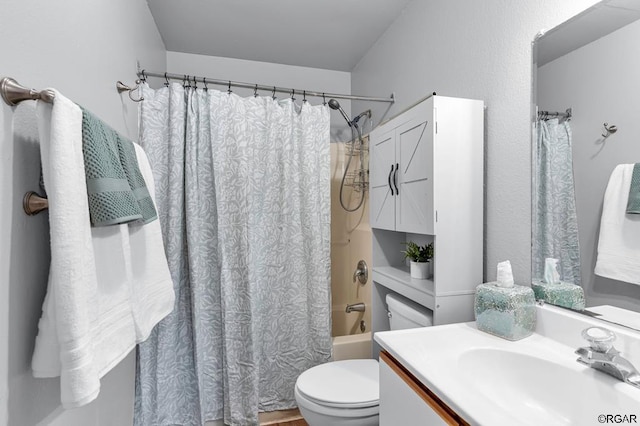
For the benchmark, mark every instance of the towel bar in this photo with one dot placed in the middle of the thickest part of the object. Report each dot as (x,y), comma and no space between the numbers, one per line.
(33,203)
(13,92)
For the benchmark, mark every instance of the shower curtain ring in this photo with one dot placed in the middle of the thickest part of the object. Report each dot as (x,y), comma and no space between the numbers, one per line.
(293,92)
(255,91)
(304,96)
(144,77)
(273,93)
(184,82)
(195,83)
(324,99)
(166,80)
(229,88)
(204,81)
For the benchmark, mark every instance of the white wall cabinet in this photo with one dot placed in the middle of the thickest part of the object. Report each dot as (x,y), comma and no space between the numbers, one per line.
(402,174)
(426,180)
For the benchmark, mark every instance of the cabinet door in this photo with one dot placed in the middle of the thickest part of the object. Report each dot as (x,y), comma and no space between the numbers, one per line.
(382,210)
(402,405)
(414,156)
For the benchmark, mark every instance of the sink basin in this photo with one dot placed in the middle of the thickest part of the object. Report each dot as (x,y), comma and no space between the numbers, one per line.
(550,392)
(534,381)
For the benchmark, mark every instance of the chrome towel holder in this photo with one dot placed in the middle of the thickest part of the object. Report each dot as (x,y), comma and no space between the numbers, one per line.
(13,92)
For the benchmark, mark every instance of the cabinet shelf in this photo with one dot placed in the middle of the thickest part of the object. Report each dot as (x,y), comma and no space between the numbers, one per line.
(398,279)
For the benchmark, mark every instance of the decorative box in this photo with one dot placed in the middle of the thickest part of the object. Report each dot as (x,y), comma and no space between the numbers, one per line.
(563,294)
(507,312)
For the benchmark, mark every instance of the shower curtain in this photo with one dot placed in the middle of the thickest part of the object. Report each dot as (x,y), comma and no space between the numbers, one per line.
(243,194)
(555,223)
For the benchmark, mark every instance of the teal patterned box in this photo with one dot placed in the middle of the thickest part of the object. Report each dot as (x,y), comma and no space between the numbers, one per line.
(507,312)
(563,294)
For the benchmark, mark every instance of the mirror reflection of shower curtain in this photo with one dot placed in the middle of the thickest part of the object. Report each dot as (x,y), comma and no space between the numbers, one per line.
(243,192)
(555,222)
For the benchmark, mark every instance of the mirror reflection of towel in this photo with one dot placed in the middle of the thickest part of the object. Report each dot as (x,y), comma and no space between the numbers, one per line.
(619,241)
(633,203)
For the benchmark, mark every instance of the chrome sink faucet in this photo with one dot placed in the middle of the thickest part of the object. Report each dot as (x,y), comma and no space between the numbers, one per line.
(602,356)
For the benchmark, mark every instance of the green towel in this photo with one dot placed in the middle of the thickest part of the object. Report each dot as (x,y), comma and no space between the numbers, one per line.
(116,189)
(633,203)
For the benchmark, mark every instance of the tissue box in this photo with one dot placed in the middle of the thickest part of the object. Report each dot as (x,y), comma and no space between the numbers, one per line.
(507,312)
(563,294)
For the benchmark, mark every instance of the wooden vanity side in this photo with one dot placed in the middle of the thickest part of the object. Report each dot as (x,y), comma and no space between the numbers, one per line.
(404,403)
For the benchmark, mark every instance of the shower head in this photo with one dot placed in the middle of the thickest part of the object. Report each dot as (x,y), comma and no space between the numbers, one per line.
(333,104)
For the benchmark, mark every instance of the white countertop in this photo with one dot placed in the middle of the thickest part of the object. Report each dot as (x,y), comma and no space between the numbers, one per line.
(491,381)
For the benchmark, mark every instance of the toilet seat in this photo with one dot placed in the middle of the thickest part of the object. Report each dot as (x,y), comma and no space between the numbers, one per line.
(347,384)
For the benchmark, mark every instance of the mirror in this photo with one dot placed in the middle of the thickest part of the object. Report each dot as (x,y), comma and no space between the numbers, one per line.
(588,68)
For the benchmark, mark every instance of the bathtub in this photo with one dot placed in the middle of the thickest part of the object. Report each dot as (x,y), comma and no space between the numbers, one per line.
(354,346)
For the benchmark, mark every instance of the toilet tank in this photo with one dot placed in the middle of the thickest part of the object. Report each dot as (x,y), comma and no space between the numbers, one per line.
(404,313)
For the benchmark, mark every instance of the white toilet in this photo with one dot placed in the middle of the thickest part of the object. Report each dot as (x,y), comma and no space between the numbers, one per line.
(346,393)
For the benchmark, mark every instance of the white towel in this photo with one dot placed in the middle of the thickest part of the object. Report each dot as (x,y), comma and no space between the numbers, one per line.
(65,342)
(619,241)
(98,303)
(153,295)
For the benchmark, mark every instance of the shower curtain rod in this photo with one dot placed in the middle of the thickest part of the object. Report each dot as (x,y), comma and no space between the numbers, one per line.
(206,80)
(554,114)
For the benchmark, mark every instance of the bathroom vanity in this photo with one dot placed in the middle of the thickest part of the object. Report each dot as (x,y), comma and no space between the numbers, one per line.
(455,374)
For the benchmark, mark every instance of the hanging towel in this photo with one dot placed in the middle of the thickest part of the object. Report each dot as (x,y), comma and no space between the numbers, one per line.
(153,295)
(93,313)
(68,344)
(137,181)
(116,188)
(633,203)
(619,241)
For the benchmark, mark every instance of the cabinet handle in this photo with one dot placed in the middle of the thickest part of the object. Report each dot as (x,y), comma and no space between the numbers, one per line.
(395,178)
(389,180)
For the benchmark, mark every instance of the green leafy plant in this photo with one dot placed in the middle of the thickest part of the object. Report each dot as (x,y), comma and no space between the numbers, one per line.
(418,253)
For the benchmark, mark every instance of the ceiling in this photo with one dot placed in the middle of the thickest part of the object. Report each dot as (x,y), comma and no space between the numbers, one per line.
(328,34)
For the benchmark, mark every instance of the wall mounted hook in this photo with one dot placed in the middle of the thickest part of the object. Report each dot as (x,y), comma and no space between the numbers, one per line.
(609,130)
(121,87)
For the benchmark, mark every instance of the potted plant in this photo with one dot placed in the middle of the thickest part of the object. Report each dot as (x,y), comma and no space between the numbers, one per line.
(420,256)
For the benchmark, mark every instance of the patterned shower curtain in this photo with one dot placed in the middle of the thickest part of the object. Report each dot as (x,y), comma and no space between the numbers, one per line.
(555,223)
(243,194)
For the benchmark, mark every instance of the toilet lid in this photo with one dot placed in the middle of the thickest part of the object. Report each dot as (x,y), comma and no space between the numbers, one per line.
(347,384)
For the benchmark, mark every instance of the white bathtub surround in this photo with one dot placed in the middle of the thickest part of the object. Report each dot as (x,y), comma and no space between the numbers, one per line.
(243,186)
(491,381)
(355,346)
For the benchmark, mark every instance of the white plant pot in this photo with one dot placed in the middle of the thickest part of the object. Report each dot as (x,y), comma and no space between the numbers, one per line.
(420,270)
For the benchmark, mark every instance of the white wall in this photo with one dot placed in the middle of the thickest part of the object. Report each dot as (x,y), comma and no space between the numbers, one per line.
(81,48)
(599,82)
(481,50)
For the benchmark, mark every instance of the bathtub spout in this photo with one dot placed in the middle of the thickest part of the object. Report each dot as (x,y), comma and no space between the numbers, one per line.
(357,307)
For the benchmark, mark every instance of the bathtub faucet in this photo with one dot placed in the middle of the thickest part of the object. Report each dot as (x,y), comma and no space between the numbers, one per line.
(357,307)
